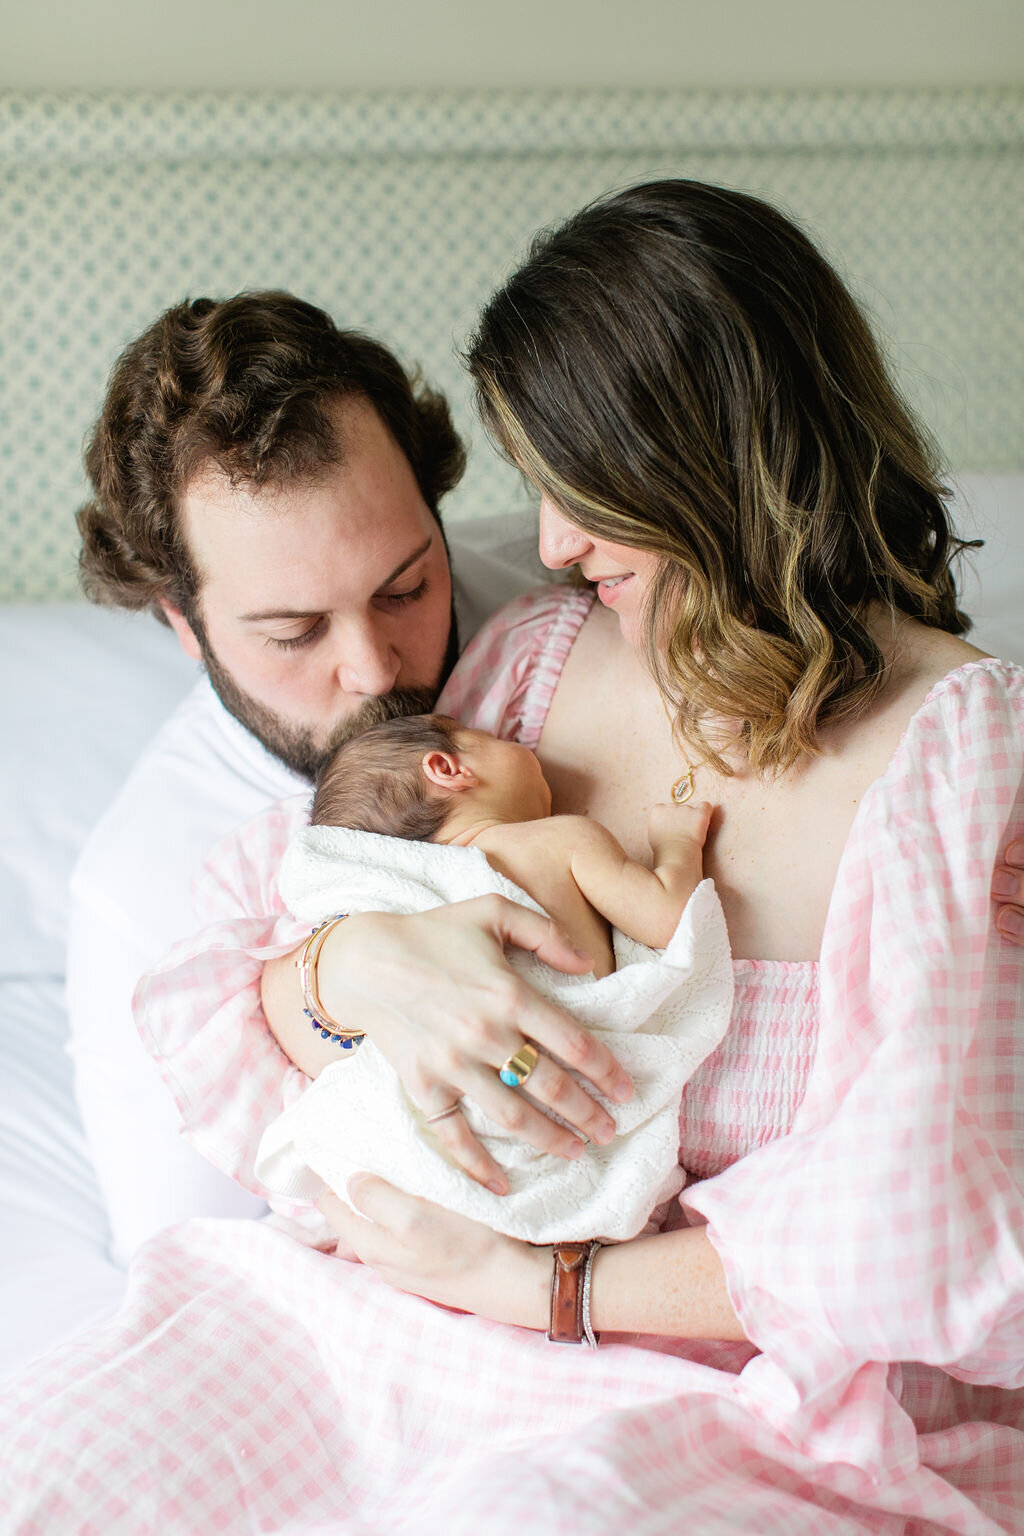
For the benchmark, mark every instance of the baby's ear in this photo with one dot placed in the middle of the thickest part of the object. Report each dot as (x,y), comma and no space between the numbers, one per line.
(446,770)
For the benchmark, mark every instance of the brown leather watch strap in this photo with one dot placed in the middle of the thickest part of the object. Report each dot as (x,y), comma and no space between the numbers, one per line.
(570,1262)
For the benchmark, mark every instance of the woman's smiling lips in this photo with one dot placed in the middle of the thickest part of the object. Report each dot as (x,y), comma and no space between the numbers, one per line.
(610,588)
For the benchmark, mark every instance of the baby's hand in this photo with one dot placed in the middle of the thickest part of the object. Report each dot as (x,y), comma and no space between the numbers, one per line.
(677,834)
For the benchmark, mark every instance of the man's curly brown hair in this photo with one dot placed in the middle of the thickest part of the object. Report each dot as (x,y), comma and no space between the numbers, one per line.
(243,386)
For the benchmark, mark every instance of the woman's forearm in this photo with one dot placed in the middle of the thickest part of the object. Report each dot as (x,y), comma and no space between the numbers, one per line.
(281,993)
(671,1284)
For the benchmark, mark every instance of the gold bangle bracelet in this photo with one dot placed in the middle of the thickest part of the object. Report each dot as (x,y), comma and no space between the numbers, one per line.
(307,963)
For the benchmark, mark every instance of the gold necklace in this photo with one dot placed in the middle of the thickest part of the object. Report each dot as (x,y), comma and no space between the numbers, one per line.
(682,789)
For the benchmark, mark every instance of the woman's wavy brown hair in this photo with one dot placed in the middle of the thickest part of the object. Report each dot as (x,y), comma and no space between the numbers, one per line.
(243,386)
(681,371)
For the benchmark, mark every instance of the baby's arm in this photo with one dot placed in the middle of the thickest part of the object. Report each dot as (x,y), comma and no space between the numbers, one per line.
(646,904)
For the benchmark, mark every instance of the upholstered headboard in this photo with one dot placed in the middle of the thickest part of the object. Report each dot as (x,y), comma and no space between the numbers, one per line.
(399,213)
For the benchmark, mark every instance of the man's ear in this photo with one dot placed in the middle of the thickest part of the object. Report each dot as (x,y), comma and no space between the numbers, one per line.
(447,771)
(182,628)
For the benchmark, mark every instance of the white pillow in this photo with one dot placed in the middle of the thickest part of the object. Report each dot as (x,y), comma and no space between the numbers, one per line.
(991,507)
(81,691)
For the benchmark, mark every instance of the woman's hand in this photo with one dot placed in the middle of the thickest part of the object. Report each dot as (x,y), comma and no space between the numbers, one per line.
(419,1247)
(434,992)
(1008,891)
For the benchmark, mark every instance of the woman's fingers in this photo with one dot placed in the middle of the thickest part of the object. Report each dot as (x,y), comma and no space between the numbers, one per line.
(513,924)
(446,1009)
(514,1113)
(373,1230)
(551,1085)
(383,1203)
(1008,891)
(538,1019)
(463,1148)
(512,1110)
(349,1228)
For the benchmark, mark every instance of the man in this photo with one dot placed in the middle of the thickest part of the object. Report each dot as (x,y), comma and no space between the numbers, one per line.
(269,487)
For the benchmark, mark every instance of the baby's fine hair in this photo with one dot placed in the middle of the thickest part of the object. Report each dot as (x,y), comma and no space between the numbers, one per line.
(374,781)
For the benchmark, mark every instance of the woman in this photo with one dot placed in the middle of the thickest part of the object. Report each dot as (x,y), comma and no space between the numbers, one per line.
(719,451)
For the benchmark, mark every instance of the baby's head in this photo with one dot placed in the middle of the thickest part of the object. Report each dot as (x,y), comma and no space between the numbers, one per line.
(418,776)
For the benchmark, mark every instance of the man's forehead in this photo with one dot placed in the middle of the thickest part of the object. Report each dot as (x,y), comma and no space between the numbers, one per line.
(278,610)
(303,560)
(239,535)
(361,520)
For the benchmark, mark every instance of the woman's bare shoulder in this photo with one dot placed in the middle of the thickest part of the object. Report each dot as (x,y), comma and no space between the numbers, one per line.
(932,652)
(919,657)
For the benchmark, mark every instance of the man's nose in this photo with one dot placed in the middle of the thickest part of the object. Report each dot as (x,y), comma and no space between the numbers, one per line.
(368,663)
(561,542)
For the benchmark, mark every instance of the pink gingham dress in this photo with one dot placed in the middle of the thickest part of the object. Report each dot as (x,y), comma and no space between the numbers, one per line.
(857,1149)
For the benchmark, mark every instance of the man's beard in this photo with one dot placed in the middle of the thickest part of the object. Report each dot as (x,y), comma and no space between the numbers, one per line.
(296,745)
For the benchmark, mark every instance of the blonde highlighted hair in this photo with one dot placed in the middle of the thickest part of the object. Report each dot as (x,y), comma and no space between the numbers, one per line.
(681,371)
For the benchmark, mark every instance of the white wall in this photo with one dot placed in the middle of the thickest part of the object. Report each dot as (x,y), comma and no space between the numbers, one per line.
(371,44)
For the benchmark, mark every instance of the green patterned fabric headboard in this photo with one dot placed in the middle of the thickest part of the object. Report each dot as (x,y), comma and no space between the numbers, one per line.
(400,213)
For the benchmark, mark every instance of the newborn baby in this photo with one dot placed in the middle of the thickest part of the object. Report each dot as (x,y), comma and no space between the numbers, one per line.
(422,810)
(429,779)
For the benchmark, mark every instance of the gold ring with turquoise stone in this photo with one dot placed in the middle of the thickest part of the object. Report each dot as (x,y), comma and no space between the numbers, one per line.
(517,1068)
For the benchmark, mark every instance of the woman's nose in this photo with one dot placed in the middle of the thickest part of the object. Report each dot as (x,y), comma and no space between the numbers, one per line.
(561,542)
(368,663)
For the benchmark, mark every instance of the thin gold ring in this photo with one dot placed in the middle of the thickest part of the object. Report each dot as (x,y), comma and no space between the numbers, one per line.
(443,1114)
(515,1071)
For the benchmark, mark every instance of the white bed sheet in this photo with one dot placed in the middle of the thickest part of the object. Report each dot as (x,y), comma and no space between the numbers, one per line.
(55,1273)
(81,690)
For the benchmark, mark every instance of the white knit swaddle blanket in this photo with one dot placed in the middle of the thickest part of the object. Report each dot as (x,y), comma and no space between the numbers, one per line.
(662,1012)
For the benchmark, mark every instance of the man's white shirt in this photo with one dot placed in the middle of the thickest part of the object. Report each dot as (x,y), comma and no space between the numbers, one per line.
(131,900)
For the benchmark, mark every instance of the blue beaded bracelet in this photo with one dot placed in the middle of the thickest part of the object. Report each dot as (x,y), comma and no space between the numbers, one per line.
(345,1041)
(314,1009)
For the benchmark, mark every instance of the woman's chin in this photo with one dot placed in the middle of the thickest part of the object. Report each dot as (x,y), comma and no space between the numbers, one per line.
(629,628)
(624,600)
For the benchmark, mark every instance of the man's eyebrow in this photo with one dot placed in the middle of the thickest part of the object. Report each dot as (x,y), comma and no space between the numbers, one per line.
(263,616)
